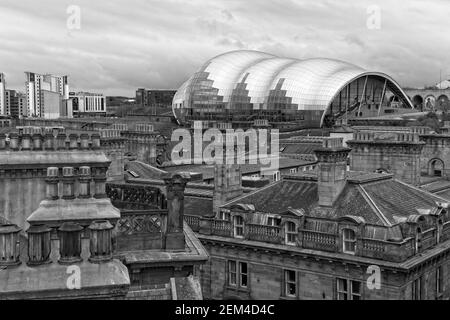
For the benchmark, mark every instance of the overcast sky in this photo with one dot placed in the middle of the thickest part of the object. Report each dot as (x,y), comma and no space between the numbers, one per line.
(122,45)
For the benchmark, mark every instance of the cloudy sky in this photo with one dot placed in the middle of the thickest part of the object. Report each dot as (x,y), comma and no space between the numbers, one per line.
(122,45)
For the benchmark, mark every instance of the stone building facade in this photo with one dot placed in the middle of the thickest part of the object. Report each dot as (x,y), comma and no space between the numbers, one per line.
(335,235)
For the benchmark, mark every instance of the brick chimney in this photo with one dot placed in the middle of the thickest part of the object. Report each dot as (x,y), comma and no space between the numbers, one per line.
(332,170)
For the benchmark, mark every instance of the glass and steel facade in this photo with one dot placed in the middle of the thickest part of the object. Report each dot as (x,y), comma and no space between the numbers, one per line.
(244,86)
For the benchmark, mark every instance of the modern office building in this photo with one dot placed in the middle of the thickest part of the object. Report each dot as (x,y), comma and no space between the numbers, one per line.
(46,94)
(3,95)
(16,103)
(156,98)
(83,104)
(243,86)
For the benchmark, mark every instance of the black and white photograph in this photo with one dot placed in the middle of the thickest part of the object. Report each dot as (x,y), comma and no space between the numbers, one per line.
(224,158)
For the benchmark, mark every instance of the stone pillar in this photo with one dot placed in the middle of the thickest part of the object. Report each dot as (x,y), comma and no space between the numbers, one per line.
(84,183)
(52,183)
(100,241)
(9,245)
(175,185)
(70,243)
(39,245)
(68,180)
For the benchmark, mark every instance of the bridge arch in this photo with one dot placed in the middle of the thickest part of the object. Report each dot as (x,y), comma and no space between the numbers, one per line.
(430,102)
(443,102)
(436,167)
(417,101)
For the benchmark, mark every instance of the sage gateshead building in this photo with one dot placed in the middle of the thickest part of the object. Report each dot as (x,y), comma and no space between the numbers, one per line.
(246,87)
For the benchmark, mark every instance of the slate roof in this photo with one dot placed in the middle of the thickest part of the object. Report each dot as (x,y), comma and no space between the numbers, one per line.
(195,206)
(278,197)
(376,198)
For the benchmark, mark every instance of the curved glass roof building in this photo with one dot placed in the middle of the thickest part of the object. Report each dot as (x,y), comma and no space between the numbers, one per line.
(244,86)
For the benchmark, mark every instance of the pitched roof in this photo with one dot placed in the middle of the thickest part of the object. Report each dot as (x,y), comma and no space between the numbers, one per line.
(278,197)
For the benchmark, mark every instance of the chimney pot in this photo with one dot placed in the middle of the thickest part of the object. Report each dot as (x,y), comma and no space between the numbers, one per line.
(39,245)
(100,241)
(70,243)
(9,245)
(84,182)
(68,183)
(52,183)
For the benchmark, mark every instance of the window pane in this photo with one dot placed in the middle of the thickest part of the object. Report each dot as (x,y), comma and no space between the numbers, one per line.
(243,267)
(356,287)
(243,280)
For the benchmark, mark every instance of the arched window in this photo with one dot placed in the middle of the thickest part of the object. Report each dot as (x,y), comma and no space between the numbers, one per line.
(349,241)
(291,233)
(238,226)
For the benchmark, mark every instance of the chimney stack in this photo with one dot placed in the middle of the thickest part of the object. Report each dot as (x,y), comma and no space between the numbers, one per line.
(332,170)
(175,186)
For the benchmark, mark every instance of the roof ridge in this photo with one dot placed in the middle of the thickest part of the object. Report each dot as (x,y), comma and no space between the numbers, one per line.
(423,191)
(377,210)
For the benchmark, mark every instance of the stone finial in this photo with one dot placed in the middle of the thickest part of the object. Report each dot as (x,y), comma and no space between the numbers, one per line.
(52,183)
(39,245)
(70,243)
(100,241)
(9,245)
(84,182)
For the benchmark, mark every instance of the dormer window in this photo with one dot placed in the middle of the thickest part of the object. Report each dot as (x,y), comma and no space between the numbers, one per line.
(291,233)
(349,241)
(238,227)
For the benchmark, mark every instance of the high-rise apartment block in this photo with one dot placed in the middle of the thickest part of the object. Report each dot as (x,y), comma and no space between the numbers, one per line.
(46,94)
(16,103)
(2,94)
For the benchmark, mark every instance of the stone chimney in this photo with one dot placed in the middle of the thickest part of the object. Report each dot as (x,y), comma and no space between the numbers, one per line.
(39,245)
(9,245)
(332,170)
(175,186)
(227,184)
